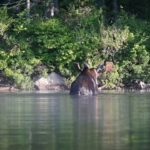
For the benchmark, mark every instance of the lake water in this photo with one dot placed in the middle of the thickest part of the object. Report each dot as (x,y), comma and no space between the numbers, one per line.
(58,121)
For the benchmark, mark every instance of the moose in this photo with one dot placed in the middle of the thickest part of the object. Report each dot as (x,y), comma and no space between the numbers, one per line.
(86,82)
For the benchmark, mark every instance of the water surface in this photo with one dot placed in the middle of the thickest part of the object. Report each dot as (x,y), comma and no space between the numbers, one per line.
(58,121)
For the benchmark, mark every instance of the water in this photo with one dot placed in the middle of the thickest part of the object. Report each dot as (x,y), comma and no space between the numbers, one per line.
(58,121)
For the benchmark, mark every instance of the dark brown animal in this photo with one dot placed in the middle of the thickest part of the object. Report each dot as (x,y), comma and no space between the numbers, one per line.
(86,82)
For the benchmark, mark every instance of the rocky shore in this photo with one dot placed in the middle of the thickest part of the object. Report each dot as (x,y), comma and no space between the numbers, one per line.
(55,82)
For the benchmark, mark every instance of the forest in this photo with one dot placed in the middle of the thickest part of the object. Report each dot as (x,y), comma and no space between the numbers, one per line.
(41,36)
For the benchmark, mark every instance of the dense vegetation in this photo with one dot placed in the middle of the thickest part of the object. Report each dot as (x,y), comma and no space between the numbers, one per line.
(33,42)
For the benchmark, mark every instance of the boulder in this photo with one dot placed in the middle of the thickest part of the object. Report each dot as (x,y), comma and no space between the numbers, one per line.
(55,79)
(144,86)
(52,82)
(41,84)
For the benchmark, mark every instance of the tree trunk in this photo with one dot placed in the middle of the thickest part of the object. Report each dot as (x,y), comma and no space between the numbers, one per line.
(56,4)
(28,7)
(52,8)
(115,7)
(100,3)
(56,8)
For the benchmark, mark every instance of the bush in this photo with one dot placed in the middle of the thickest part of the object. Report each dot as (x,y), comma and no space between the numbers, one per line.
(134,57)
(36,46)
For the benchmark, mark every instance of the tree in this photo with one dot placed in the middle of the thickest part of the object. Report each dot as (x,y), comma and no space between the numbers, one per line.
(100,3)
(115,6)
(28,7)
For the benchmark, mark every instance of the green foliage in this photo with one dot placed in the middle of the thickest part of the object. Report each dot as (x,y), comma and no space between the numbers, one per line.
(111,79)
(16,59)
(114,39)
(58,45)
(134,57)
(5,21)
(36,46)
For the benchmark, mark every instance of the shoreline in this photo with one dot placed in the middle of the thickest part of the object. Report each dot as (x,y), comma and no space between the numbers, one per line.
(10,89)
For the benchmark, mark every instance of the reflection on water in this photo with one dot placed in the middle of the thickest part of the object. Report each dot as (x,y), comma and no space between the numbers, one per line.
(61,122)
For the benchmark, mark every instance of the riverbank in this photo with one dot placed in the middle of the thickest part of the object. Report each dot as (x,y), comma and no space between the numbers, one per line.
(4,89)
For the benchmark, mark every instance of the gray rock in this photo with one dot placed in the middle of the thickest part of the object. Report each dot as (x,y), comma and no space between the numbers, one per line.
(144,85)
(53,82)
(41,84)
(55,79)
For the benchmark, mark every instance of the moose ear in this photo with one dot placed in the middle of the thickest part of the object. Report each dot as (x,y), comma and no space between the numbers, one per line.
(100,68)
(85,66)
(77,66)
